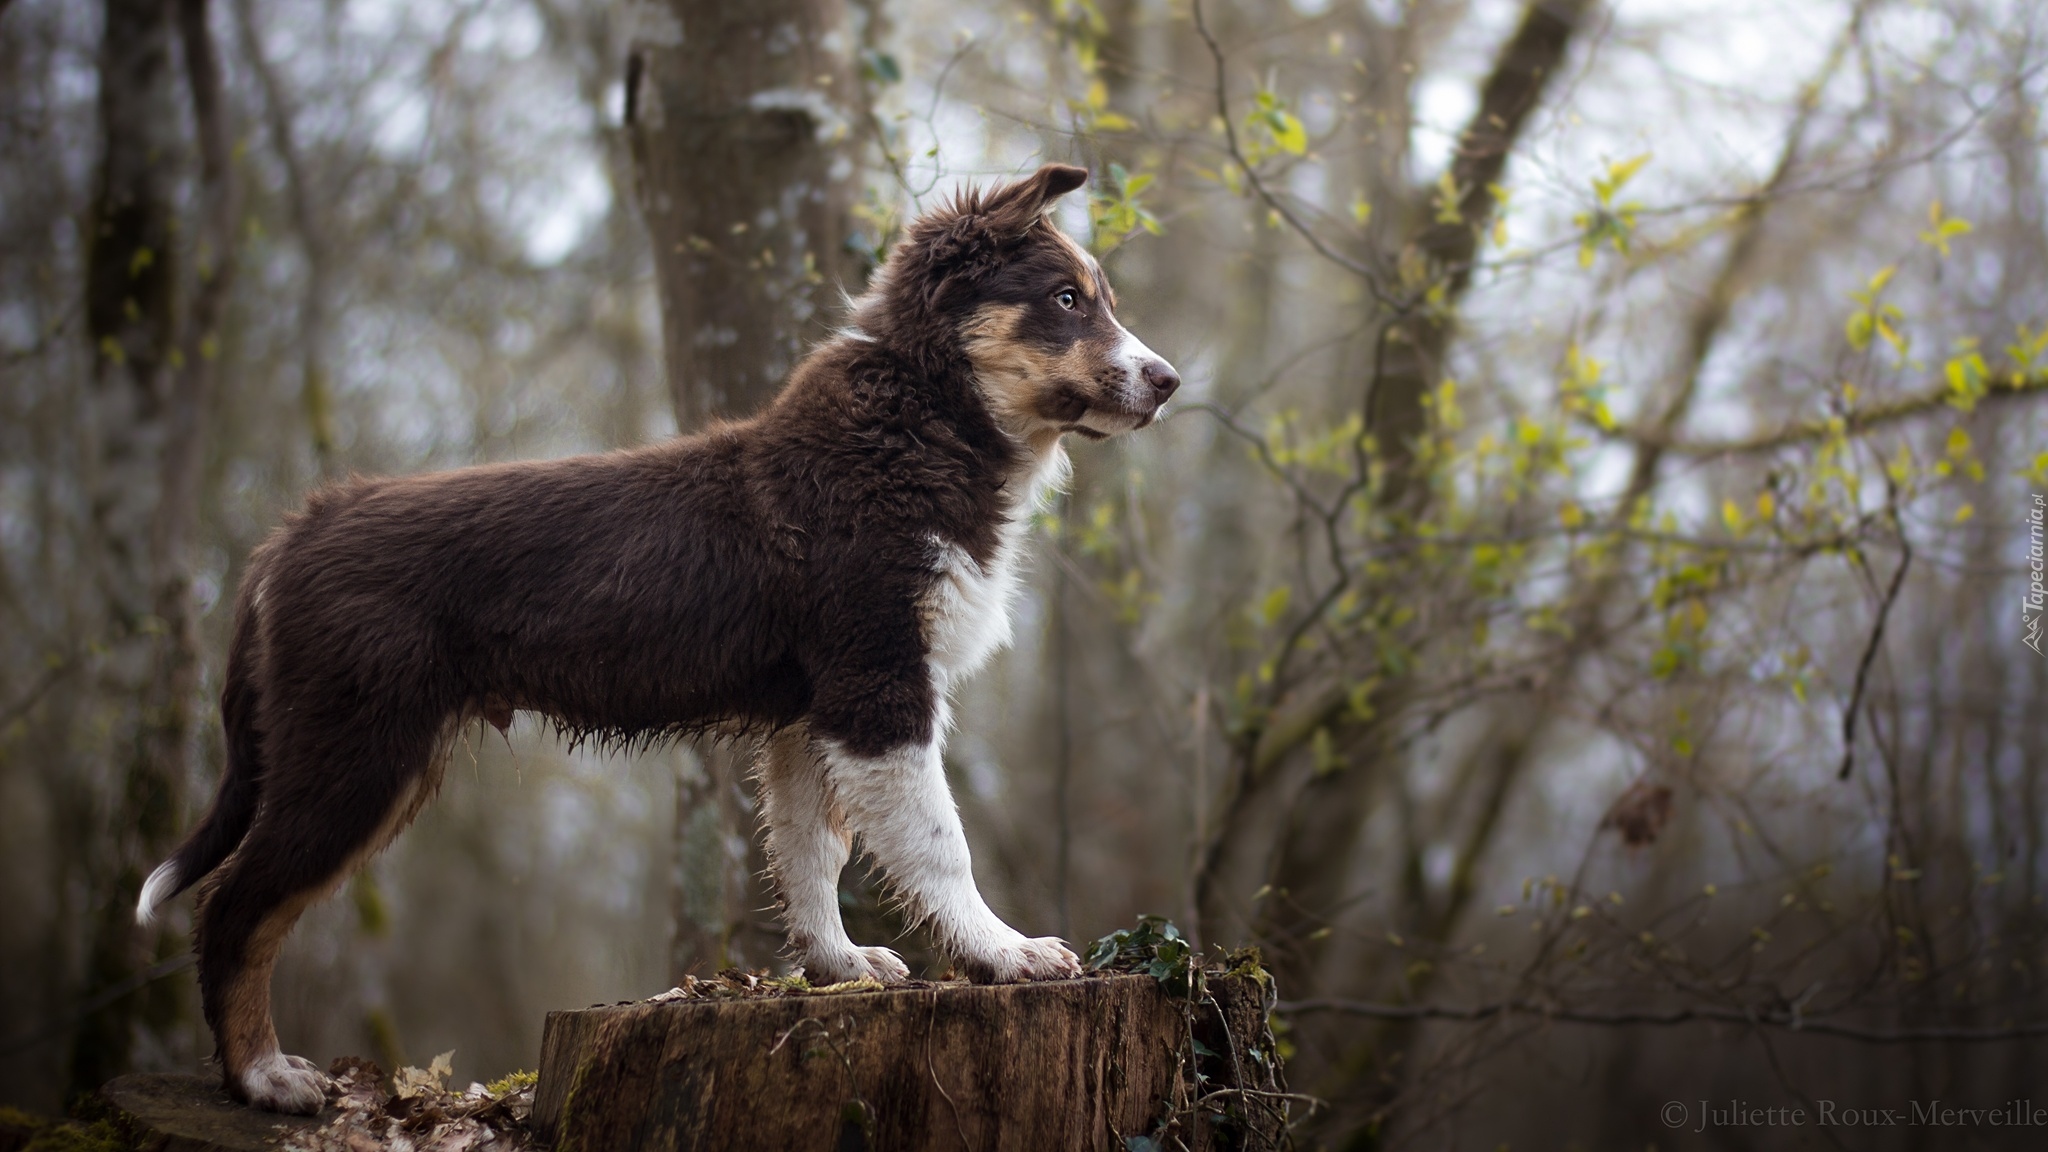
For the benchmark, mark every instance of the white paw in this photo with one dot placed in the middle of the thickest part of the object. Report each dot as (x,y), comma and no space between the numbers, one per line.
(1022,958)
(855,964)
(279,1083)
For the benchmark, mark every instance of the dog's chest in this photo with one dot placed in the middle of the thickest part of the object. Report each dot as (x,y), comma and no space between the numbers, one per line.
(967,609)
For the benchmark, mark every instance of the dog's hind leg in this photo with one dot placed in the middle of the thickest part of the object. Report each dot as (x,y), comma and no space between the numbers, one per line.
(808,845)
(322,815)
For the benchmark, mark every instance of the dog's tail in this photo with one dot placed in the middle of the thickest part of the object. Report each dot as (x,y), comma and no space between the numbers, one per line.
(234,804)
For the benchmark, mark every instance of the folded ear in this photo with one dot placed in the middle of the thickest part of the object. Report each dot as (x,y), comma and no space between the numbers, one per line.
(1014,207)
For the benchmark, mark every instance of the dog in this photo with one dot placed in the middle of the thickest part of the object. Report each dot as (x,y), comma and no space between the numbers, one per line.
(823,573)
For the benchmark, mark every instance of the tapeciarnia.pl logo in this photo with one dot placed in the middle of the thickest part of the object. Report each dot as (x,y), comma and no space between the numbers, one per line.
(2035,609)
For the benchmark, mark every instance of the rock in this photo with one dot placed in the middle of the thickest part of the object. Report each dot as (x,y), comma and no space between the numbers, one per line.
(160,1112)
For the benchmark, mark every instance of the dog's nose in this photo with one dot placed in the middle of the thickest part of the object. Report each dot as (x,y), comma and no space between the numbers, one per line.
(1161,377)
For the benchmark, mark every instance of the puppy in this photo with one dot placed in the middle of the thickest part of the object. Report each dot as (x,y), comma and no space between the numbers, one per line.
(823,572)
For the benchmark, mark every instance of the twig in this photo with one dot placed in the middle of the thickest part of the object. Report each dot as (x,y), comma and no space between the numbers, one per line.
(1322,248)
(1884,611)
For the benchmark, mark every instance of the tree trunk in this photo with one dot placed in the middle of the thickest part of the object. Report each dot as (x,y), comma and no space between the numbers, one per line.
(741,119)
(742,122)
(1448,236)
(1075,1064)
(130,307)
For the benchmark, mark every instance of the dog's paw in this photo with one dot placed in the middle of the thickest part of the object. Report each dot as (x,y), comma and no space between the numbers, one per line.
(279,1083)
(1023,958)
(885,965)
(857,964)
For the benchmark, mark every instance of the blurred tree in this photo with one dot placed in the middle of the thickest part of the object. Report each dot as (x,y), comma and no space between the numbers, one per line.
(742,121)
(155,337)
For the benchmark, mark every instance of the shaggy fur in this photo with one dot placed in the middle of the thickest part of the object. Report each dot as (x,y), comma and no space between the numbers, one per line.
(822,572)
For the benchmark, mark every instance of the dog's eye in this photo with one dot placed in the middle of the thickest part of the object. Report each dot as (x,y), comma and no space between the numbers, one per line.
(1067,299)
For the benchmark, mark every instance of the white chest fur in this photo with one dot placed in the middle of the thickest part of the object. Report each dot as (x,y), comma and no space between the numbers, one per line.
(967,610)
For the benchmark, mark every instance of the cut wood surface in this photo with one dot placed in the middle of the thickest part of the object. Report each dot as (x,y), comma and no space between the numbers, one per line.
(1074,1064)
(164,1112)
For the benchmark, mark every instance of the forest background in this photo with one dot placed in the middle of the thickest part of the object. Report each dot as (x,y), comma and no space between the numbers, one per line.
(1582,618)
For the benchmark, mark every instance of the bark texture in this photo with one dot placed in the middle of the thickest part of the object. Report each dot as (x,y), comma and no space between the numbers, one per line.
(742,121)
(1077,1064)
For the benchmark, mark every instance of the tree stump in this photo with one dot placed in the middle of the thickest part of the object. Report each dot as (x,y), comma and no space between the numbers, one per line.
(1073,1064)
(159,1112)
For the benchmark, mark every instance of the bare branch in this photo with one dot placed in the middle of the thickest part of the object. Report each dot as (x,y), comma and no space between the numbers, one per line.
(1855,420)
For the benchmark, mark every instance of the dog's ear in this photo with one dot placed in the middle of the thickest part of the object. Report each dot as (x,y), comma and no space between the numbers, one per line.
(954,246)
(1013,208)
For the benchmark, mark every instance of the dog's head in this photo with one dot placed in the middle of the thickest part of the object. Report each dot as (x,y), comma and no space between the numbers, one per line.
(1029,308)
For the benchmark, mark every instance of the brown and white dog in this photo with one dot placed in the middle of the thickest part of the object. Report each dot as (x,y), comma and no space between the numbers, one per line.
(825,572)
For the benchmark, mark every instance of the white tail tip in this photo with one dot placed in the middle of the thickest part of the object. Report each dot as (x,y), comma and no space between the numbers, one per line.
(155,891)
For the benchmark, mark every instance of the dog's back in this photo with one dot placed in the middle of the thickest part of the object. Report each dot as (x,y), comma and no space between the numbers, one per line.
(625,596)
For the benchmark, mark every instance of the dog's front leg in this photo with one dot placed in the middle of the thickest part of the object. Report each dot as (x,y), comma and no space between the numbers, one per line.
(807,849)
(900,804)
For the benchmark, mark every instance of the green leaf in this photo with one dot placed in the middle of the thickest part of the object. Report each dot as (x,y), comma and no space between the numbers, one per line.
(1969,378)
(1941,229)
(1618,174)
(1289,134)
(1448,197)
(1858,330)
(1273,128)
(1275,603)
